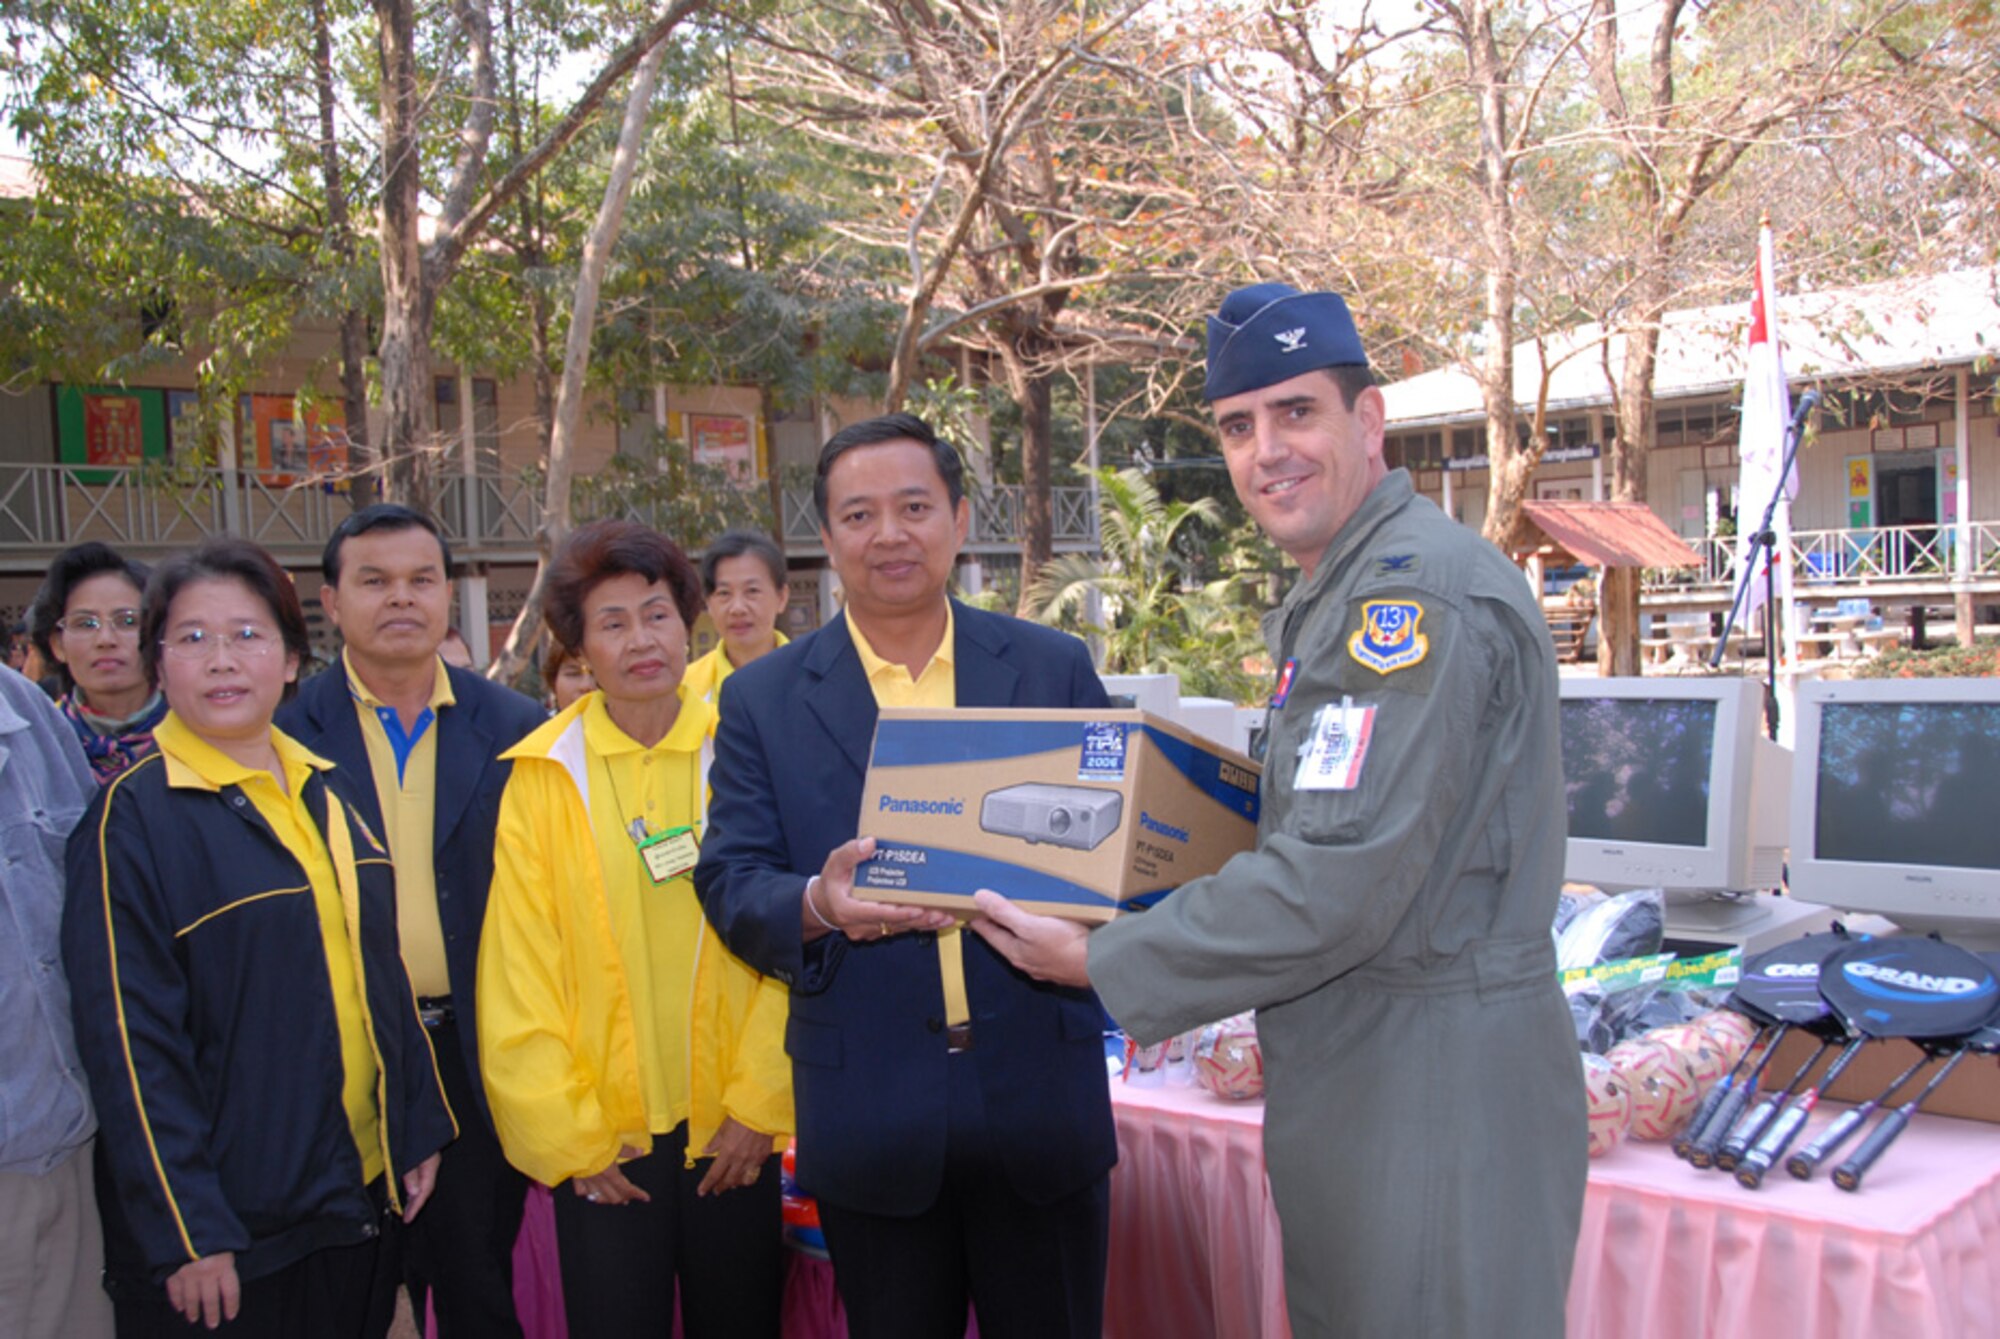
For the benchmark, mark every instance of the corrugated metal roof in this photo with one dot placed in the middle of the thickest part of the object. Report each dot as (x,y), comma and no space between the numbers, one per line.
(18,178)
(1611,534)
(1899,325)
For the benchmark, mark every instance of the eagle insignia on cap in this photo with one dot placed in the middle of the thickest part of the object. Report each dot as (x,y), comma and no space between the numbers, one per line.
(1291,341)
(1388,639)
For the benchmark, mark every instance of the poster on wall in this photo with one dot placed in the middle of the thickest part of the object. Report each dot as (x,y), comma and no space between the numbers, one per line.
(1860,492)
(114,431)
(286,449)
(110,427)
(723,440)
(183,423)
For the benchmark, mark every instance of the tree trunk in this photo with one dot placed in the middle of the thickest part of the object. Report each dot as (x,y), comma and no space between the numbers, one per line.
(340,232)
(1032,388)
(1618,609)
(1618,622)
(364,486)
(595,260)
(407,302)
(774,485)
(1506,480)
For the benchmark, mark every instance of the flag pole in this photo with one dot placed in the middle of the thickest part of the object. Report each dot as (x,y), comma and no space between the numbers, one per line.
(1764,543)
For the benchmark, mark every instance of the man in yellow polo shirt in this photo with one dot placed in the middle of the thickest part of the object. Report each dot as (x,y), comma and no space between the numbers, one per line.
(429,738)
(954,1120)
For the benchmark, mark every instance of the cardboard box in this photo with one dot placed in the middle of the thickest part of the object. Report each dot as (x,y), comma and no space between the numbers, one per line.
(1080,814)
(1971,1093)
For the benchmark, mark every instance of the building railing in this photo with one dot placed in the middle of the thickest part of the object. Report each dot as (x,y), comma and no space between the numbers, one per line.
(150,510)
(997,511)
(1843,559)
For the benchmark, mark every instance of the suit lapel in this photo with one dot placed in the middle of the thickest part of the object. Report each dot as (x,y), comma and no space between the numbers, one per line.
(336,726)
(986,676)
(838,693)
(463,752)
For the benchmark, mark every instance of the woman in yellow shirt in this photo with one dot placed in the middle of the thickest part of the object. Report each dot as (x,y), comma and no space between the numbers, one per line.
(624,1049)
(743,578)
(264,1089)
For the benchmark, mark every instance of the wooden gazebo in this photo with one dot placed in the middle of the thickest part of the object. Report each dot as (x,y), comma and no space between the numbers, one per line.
(1618,538)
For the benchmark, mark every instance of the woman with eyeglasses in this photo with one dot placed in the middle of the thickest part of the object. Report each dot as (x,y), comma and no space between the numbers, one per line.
(85,623)
(625,1050)
(267,1098)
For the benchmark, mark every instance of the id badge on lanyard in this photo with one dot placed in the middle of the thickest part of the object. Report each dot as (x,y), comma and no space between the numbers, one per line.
(669,855)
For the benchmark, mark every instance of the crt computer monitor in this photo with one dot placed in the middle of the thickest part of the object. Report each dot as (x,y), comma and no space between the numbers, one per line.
(1892,803)
(1672,784)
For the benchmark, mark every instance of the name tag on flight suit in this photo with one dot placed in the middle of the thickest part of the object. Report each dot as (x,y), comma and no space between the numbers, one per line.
(1332,755)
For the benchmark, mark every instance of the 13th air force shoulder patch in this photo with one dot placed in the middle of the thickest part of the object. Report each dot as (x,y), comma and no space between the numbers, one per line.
(1390,637)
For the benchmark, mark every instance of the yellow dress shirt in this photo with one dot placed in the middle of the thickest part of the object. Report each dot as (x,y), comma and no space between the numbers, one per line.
(404,766)
(704,677)
(195,763)
(657,925)
(937,688)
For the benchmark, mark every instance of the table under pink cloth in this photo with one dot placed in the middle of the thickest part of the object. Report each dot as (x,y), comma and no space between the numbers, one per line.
(1194,1235)
(1668,1252)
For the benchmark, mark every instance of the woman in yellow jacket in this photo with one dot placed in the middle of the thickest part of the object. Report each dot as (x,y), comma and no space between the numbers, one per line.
(624,1049)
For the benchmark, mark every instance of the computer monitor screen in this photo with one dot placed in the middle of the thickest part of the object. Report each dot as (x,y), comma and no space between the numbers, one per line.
(1893,804)
(1671,784)
(1908,783)
(1636,770)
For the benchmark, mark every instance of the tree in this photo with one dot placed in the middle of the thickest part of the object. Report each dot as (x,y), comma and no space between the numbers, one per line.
(227,113)
(576,358)
(415,269)
(1678,126)
(1157,619)
(195,192)
(1021,155)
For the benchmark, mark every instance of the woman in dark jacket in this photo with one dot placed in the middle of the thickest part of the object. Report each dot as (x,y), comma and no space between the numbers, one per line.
(265,1091)
(85,623)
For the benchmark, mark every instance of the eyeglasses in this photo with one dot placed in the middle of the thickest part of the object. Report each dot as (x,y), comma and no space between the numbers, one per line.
(123,621)
(201,644)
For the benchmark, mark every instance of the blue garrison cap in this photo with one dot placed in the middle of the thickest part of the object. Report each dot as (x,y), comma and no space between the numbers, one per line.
(1268,333)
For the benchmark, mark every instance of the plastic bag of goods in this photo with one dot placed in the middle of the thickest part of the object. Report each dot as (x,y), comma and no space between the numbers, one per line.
(1605,1000)
(1629,925)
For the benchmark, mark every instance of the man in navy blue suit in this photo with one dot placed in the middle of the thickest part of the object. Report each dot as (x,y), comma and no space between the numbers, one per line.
(954,1117)
(422,741)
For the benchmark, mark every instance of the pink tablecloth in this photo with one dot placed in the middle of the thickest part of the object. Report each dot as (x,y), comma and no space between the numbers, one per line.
(1194,1236)
(1668,1252)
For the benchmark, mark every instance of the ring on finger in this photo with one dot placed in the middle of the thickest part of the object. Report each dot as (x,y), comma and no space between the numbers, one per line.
(884,927)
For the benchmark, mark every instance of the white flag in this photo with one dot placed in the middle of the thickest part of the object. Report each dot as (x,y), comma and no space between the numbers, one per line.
(1767,414)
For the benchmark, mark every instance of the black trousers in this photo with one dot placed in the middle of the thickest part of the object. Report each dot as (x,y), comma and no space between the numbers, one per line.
(342,1292)
(1030,1271)
(620,1262)
(460,1250)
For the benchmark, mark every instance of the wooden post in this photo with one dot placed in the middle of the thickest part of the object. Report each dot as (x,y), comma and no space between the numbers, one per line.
(1617,628)
(1962,540)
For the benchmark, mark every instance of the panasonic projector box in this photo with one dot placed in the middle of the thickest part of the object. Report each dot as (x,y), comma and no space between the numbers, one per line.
(1072,813)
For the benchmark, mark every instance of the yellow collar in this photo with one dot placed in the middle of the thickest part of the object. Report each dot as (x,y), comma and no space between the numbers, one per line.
(726,665)
(441,694)
(873,664)
(195,764)
(603,736)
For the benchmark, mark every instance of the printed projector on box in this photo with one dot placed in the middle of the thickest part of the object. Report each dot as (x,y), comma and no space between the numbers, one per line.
(1072,813)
